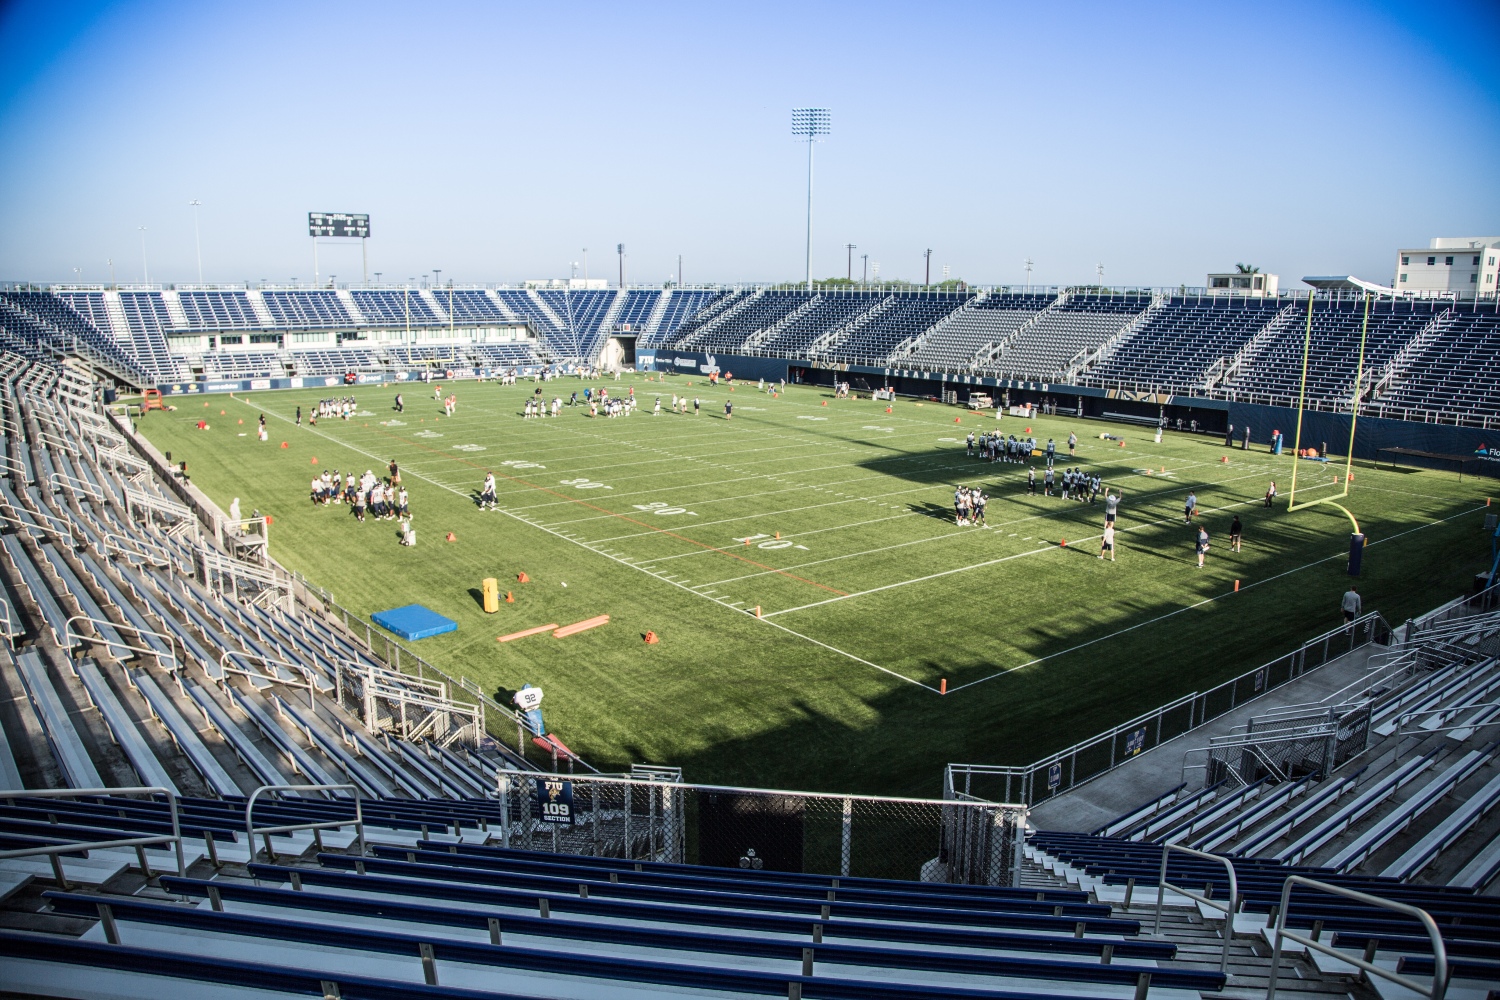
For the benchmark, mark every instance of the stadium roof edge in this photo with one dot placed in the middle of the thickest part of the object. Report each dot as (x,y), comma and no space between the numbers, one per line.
(1346,283)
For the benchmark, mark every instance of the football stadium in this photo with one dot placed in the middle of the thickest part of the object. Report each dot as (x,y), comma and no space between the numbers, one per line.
(835,637)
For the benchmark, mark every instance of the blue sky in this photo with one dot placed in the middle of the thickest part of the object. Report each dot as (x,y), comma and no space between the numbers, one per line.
(496,140)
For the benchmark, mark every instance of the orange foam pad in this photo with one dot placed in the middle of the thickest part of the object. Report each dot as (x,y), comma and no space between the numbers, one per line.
(523,634)
(582,626)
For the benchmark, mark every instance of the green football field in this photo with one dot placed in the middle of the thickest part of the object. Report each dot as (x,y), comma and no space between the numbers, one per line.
(871,597)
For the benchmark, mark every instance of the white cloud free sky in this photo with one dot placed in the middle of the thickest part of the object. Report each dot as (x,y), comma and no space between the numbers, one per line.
(496,140)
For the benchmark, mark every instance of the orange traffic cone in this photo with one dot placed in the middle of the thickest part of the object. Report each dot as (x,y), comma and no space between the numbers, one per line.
(825,402)
(314,460)
(888,409)
(221,413)
(452,537)
(957,421)
(1028,430)
(285,445)
(651,638)
(522,578)
(757,611)
(240,421)
(778,535)
(509,599)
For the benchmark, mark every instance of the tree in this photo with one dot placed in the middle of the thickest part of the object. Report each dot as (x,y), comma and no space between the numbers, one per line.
(1247,268)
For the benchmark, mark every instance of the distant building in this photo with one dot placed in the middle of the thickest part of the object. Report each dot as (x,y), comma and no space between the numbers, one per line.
(571,284)
(1242,283)
(1462,267)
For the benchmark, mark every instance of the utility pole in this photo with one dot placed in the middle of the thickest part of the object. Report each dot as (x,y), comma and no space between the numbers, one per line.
(849,249)
(197,241)
(927,256)
(864,278)
(620,249)
(808,124)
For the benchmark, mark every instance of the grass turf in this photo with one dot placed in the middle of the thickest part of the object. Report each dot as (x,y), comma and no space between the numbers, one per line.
(872,596)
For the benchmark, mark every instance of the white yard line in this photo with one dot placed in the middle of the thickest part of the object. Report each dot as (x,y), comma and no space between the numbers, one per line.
(679,584)
(1198,604)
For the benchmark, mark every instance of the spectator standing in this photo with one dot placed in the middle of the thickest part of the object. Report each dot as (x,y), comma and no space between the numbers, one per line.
(1235,530)
(1189,507)
(1202,544)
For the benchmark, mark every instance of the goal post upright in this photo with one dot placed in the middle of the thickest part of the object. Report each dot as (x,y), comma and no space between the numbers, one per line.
(1354,399)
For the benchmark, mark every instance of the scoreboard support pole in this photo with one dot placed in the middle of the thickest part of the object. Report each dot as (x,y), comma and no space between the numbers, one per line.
(315,261)
(364,251)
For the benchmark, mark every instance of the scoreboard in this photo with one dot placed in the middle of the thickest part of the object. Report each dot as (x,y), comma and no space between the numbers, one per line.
(338,224)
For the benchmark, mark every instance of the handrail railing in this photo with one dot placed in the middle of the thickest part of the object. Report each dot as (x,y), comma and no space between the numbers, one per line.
(1439,952)
(1228,909)
(69,634)
(139,843)
(10,628)
(306,672)
(251,830)
(83,486)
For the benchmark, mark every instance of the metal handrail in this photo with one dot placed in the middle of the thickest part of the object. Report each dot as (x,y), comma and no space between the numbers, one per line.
(1439,952)
(1229,909)
(305,671)
(139,843)
(69,634)
(78,485)
(10,628)
(266,831)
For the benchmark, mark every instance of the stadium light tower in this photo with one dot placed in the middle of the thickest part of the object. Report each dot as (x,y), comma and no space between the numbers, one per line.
(808,125)
(620,249)
(1099,270)
(197,242)
(1028,262)
(927,256)
(849,249)
(864,278)
(145,270)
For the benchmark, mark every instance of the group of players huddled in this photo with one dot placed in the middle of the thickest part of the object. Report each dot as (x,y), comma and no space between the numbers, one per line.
(384,498)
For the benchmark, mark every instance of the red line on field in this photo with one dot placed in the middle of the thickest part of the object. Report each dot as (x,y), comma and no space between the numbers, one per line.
(622,517)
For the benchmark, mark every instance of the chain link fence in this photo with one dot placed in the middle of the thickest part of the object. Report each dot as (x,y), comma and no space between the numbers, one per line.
(641,819)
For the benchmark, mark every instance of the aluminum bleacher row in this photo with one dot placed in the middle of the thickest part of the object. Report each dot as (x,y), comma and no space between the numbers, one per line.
(1411,820)
(1424,359)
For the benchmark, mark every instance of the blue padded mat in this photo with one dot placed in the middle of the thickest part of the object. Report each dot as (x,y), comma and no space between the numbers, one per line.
(414,622)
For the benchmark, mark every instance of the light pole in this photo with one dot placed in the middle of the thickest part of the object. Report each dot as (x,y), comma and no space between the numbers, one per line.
(808,124)
(1099,269)
(849,249)
(1028,262)
(620,249)
(437,277)
(875,271)
(927,257)
(679,270)
(864,278)
(111,263)
(585,265)
(377,277)
(945,274)
(79,272)
(197,241)
(145,271)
